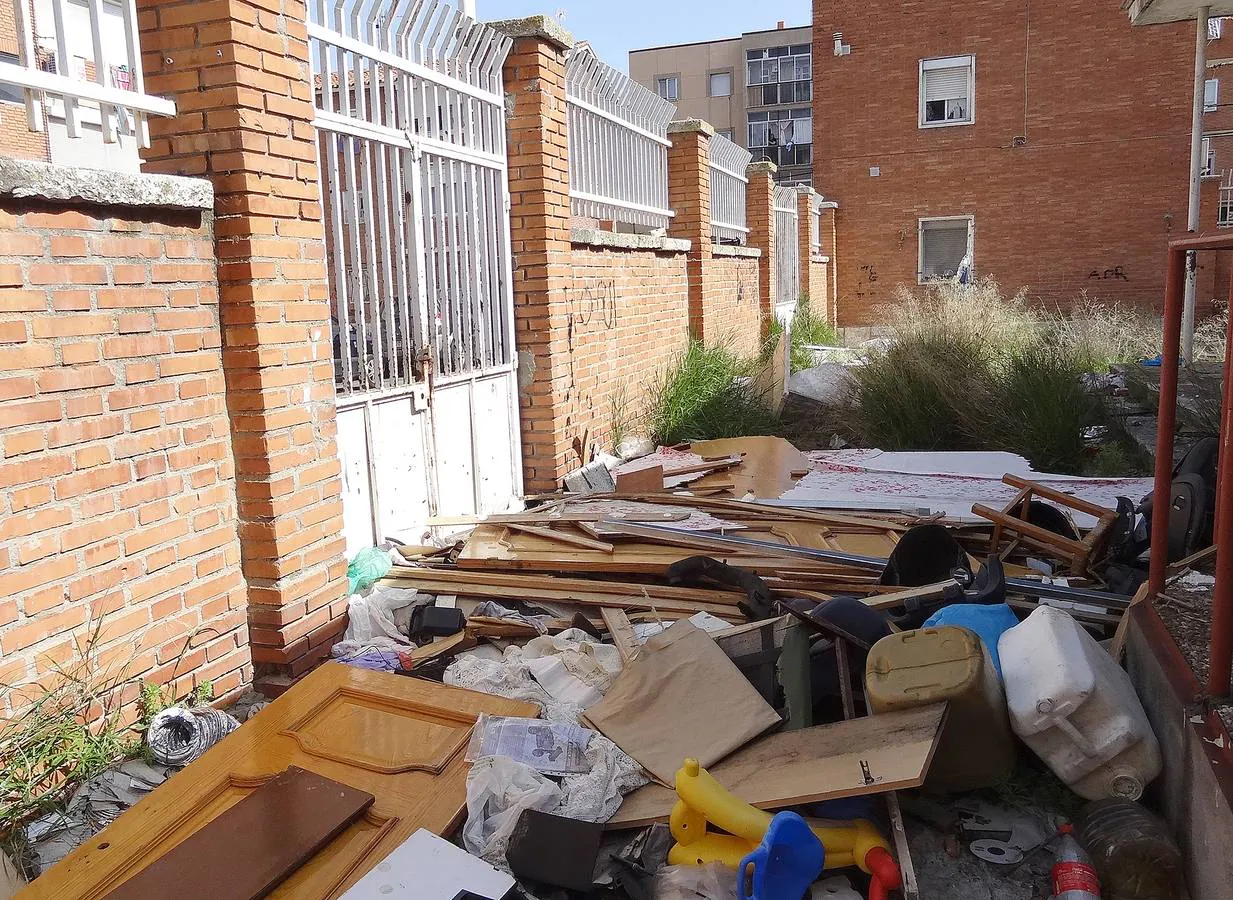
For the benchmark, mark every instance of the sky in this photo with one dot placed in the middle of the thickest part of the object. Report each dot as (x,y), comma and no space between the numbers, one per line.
(614,27)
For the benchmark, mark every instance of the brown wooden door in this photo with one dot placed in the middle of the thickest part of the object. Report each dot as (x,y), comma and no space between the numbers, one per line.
(400,739)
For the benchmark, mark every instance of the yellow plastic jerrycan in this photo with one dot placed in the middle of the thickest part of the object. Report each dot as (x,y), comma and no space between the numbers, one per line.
(703,802)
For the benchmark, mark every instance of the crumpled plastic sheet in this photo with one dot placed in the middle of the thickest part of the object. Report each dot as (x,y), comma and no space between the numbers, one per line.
(592,796)
(372,617)
(93,806)
(177,736)
(591,662)
(714,881)
(366,657)
(498,790)
(367,566)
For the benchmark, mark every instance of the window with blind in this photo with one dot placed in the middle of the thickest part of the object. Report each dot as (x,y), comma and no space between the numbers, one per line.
(944,243)
(947,91)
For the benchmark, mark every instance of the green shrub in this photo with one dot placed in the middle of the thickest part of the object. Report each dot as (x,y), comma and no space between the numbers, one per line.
(915,395)
(807,329)
(706,393)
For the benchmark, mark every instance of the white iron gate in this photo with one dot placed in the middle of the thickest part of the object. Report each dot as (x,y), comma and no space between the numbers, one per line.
(787,253)
(410,117)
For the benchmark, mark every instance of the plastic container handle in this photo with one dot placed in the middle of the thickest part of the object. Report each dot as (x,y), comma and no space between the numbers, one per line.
(885,871)
(744,877)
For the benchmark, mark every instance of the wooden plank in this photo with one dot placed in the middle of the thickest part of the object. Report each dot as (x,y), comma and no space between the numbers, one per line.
(402,740)
(924,592)
(529,581)
(550,518)
(443,648)
(634,600)
(561,537)
(1119,637)
(310,811)
(870,755)
(1029,532)
(648,478)
(903,854)
(1187,561)
(622,632)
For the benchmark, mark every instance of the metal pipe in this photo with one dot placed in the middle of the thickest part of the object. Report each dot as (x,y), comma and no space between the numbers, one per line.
(1196,169)
(1221,658)
(1166,416)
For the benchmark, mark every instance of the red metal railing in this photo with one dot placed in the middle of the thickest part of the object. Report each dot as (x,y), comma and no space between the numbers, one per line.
(1220,666)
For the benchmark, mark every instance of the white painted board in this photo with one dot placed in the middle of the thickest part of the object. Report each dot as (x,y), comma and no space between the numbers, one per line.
(427,867)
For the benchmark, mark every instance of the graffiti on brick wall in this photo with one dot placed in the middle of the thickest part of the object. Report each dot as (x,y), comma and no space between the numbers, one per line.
(870,274)
(1116,273)
(594,302)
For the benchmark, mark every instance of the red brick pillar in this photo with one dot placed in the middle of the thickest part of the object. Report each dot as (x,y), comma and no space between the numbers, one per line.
(827,237)
(538,148)
(240,77)
(689,196)
(760,219)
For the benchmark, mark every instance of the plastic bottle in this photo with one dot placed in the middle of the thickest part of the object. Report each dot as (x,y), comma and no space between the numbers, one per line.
(1074,876)
(1133,852)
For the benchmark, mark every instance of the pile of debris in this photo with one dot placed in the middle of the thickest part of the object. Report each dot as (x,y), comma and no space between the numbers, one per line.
(717,658)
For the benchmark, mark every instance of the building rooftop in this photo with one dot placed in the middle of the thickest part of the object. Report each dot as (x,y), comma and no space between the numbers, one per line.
(724,40)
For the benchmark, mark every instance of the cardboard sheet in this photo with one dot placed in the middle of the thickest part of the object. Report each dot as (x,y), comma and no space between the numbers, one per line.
(681,697)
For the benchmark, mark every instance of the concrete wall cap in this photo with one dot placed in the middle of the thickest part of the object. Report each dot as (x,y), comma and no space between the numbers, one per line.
(536,26)
(687,126)
(624,241)
(736,250)
(31,180)
(762,165)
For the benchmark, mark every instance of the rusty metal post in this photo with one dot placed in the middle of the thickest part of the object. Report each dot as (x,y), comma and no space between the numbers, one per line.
(1166,416)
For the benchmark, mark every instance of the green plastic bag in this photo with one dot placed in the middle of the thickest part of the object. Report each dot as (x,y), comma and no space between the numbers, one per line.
(369,565)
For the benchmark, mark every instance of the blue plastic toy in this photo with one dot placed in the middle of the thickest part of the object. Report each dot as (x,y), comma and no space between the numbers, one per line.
(789,859)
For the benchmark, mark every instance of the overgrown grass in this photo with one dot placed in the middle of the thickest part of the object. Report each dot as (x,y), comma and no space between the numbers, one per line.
(808,329)
(705,393)
(63,734)
(972,369)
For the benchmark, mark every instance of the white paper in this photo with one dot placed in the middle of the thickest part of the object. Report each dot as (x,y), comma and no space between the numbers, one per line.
(553,677)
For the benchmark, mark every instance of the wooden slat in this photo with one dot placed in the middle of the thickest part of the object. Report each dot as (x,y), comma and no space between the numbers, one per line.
(1062,499)
(561,537)
(622,632)
(529,581)
(813,764)
(1119,637)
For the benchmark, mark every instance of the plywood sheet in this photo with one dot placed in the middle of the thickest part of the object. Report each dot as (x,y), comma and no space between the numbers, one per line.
(265,837)
(767,468)
(399,739)
(871,755)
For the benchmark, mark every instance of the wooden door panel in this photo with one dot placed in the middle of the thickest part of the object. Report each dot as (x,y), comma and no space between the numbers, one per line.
(400,739)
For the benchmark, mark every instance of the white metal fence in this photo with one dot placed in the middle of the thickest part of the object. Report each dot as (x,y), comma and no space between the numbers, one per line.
(82,62)
(728,188)
(787,252)
(413,182)
(618,144)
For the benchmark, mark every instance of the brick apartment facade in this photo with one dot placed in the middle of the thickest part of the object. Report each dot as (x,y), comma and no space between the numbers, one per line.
(1073,169)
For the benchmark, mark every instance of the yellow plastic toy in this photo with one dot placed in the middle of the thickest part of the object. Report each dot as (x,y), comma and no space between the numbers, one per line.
(703,801)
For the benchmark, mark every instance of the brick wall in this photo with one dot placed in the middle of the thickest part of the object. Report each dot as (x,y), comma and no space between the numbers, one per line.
(1085,201)
(117,494)
(730,302)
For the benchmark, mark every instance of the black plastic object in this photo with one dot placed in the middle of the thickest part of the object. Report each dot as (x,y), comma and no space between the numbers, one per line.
(1187,514)
(554,850)
(926,554)
(695,571)
(438,621)
(1047,516)
(843,617)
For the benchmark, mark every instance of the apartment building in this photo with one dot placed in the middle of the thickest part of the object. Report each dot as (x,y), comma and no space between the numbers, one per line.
(756,89)
(1045,144)
(54,142)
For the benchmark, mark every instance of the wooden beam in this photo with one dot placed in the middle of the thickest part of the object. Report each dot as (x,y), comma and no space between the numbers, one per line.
(573,540)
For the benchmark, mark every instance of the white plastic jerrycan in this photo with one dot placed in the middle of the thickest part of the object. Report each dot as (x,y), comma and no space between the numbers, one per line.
(1076,708)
